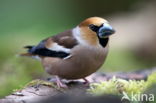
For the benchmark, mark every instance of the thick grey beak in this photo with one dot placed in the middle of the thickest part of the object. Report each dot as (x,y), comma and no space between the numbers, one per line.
(105,31)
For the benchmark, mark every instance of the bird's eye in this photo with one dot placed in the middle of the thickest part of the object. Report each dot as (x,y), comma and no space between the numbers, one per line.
(93,27)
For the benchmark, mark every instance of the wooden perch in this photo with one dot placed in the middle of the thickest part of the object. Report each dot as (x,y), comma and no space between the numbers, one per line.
(43,91)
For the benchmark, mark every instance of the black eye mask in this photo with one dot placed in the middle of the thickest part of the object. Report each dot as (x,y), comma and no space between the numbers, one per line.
(94,27)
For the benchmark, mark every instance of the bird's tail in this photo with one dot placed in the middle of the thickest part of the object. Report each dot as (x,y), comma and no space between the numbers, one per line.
(29,53)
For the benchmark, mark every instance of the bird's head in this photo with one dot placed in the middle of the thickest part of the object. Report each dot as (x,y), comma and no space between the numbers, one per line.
(94,28)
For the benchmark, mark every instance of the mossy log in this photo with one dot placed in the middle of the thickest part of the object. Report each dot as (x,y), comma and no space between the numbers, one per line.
(43,91)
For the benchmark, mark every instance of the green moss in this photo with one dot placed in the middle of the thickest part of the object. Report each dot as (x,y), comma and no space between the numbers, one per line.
(35,83)
(120,87)
(40,82)
(151,80)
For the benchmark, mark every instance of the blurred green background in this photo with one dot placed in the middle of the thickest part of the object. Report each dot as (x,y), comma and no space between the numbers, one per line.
(24,22)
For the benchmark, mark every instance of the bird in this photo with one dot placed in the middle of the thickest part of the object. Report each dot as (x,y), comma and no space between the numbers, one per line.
(75,53)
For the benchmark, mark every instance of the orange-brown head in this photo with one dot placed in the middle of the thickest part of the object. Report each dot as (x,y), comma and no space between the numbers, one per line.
(94,28)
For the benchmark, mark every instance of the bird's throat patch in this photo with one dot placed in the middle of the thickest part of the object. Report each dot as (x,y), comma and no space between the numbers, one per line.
(103,41)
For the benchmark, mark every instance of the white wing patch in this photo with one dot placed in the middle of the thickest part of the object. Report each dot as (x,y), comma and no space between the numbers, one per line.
(67,57)
(56,47)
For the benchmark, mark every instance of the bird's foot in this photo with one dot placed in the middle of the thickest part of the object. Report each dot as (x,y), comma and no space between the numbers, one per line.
(60,84)
(86,82)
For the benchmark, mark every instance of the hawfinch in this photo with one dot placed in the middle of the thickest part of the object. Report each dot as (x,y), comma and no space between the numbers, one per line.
(75,53)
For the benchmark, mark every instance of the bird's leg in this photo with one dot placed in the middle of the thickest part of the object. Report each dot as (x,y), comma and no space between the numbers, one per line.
(60,84)
(86,81)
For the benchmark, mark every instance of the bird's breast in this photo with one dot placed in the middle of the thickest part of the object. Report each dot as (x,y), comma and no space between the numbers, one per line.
(83,62)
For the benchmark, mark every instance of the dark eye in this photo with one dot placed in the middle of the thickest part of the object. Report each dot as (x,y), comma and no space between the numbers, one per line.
(93,27)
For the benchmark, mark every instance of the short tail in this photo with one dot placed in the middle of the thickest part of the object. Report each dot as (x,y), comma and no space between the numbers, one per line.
(28,47)
(25,54)
(29,51)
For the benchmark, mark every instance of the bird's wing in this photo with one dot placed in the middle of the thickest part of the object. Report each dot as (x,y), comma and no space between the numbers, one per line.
(57,46)
(65,39)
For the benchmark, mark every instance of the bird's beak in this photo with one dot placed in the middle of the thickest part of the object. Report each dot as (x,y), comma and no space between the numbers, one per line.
(105,30)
